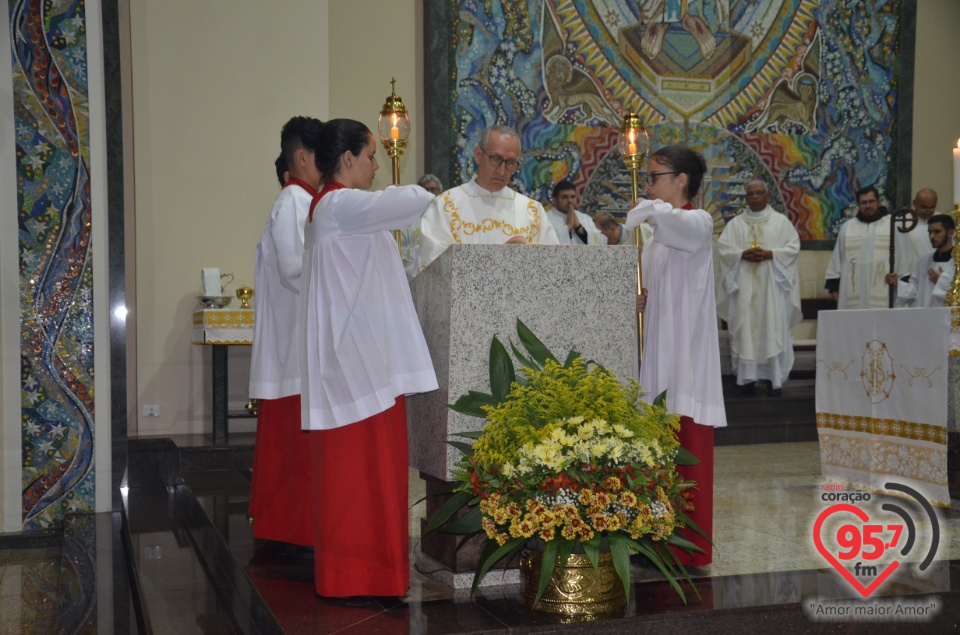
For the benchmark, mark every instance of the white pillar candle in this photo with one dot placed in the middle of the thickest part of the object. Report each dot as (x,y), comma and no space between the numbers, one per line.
(956,174)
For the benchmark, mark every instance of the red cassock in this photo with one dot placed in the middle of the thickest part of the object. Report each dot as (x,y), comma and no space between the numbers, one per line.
(698,440)
(360,506)
(281,485)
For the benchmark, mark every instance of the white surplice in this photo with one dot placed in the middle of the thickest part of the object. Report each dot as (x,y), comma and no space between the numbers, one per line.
(861,260)
(470,214)
(363,346)
(760,300)
(681,350)
(567,236)
(275,355)
(919,291)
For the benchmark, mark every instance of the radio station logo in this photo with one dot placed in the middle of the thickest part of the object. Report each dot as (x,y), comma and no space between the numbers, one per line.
(868,547)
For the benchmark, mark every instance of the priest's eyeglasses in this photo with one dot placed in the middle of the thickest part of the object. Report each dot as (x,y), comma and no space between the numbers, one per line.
(651,177)
(496,161)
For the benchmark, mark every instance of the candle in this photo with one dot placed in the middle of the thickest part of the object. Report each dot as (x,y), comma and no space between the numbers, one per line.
(956,174)
(633,148)
(394,131)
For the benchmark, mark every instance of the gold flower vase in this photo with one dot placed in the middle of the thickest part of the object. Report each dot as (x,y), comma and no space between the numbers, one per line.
(577,591)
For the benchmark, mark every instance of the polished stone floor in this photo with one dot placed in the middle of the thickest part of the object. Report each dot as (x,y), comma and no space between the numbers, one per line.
(198,570)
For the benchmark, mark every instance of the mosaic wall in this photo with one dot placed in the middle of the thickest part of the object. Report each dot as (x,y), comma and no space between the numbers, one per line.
(800,93)
(49,57)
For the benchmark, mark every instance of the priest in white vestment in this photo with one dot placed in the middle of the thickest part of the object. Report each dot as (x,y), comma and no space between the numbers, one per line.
(573,227)
(927,286)
(484,210)
(924,206)
(759,290)
(856,275)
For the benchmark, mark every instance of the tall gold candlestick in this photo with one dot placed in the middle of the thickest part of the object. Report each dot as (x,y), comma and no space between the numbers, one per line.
(394,129)
(634,144)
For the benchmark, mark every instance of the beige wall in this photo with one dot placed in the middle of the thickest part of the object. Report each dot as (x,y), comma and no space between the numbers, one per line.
(936,89)
(209,103)
(368,48)
(213,83)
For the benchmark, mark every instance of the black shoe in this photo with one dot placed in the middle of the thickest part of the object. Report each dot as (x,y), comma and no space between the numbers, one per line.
(774,392)
(746,390)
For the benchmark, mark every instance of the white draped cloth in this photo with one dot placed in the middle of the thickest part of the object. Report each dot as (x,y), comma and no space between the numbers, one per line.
(275,357)
(919,291)
(681,350)
(882,390)
(363,346)
(567,236)
(470,214)
(861,260)
(760,300)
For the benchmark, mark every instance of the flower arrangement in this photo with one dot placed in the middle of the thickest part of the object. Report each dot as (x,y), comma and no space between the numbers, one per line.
(571,459)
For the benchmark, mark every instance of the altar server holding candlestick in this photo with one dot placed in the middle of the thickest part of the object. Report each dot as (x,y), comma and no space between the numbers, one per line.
(682,354)
(363,351)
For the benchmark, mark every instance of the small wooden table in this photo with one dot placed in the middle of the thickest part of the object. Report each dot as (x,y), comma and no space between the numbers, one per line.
(220,328)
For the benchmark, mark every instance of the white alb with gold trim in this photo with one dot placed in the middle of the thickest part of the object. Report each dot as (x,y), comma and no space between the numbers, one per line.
(470,214)
(882,399)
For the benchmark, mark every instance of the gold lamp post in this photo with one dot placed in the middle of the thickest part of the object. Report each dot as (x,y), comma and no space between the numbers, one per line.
(394,130)
(634,145)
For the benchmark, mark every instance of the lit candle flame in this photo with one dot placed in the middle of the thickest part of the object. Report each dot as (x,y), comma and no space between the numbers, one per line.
(394,131)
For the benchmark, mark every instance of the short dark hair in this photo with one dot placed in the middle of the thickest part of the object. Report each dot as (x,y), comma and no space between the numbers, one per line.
(944,219)
(863,191)
(562,186)
(336,137)
(281,165)
(298,133)
(685,161)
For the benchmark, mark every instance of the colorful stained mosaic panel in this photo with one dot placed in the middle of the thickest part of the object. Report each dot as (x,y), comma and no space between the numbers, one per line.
(49,56)
(800,93)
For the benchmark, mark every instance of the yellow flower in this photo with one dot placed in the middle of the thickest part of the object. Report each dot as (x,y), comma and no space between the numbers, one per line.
(489,527)
(612,483)
(568,532)
(502,539)
(547,534)
(628,499)
(586,497)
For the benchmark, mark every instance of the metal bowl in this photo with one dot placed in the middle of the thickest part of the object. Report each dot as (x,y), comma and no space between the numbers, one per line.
(214,301)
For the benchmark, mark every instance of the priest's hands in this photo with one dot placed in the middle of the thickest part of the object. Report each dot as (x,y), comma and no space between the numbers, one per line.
(756,254)
(934,274)
(642,300)
(572,221)
(892,279)
(517,240)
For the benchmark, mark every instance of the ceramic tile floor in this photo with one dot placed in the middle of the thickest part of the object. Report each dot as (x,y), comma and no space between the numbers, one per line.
(767,498)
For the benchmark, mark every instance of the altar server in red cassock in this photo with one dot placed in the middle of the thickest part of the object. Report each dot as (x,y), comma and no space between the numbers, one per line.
(281,477)
(363,351)
(681,351)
